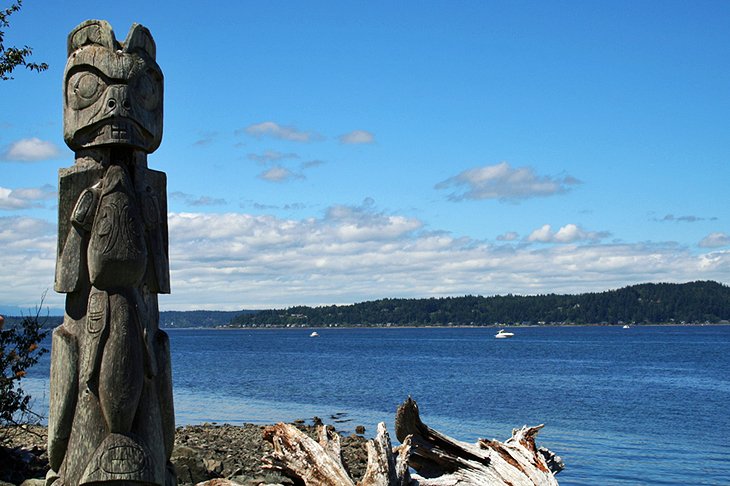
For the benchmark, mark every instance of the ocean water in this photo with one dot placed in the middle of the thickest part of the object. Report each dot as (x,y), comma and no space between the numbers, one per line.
(639,406)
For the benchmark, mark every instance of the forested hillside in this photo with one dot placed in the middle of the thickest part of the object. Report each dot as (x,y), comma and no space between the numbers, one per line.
(694,302)
(197,318)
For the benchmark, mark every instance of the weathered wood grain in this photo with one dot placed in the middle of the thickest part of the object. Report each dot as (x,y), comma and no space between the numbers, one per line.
(438,459)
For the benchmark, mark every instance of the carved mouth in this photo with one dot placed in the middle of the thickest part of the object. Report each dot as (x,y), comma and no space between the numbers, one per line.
(119,131)
(115,131)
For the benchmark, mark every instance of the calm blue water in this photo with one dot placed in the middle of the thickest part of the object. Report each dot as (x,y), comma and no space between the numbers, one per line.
(647,405)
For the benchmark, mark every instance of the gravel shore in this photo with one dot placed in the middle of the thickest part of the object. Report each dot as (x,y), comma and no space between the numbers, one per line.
(201,452)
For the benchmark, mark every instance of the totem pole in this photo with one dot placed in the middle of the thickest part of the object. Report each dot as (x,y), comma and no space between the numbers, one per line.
(111,416)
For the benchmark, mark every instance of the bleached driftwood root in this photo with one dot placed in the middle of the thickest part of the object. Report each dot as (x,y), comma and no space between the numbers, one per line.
(439,459)
(298,455)
(386,466)
(320,463)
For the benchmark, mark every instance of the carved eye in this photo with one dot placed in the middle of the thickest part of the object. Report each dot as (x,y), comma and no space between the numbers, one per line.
(147,91)
(84,88)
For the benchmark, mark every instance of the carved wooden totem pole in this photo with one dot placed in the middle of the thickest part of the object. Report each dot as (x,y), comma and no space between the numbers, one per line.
(111,416)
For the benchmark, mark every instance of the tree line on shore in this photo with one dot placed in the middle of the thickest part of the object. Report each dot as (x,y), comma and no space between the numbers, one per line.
(651,303)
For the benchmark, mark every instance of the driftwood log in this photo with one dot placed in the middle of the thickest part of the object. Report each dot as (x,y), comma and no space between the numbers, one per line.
(438,459)
(441,460)
(319,463)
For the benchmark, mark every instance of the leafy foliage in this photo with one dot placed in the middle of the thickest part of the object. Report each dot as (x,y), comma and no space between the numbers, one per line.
(646,303)
(12,57)
(19,350)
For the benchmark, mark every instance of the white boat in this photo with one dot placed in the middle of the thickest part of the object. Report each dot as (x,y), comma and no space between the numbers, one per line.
(502,334)
(314,334)
(626,326)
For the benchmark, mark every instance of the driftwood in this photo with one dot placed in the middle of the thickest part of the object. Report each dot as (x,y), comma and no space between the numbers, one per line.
(438,459)
(441,460)
(319,463)
(298,455)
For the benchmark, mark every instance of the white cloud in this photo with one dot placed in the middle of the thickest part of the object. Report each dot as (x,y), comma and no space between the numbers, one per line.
(272,156)
(356,253)
(30,150)
(715,240)
(570,233)
(192,200)
(25,198)
(352,254)
(279,174)
(683,219)
(508,236)
(206,138)
(266,207)
(282,132)
(503,182)
(357,137)
(543,234)
(27,260)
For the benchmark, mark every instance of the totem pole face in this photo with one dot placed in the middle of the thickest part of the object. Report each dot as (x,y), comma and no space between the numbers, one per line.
(112,91)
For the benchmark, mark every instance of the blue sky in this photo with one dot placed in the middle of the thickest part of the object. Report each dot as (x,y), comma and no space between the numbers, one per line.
(336,152)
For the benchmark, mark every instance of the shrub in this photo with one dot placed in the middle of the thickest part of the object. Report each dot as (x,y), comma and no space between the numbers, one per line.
(19,350)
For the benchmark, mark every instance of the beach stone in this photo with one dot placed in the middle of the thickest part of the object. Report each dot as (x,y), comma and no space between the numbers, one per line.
(270,479)
(217,482)
(33,482)
(213,466)
(189,465)
(360,429)
(354,455)
(238,448)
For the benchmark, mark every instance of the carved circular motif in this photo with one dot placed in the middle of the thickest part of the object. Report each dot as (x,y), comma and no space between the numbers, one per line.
(84,89)
(123,459)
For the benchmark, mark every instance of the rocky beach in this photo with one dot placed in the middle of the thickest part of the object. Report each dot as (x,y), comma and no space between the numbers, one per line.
(202,452)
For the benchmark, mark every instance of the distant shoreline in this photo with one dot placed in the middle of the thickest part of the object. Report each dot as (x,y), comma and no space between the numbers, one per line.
(490,326)
(54,321)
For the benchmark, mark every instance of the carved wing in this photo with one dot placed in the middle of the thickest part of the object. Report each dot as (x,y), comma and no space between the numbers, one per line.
(71,259)
(155,214)
(64,390)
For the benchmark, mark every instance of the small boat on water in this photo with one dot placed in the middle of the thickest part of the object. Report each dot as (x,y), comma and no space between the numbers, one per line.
(314,334)
(626,326)
(502,334)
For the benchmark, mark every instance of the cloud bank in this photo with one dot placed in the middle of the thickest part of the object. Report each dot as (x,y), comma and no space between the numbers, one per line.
(505,183)
(28,261)
(570,233)
(356,253)
(26,198)
(715,240)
